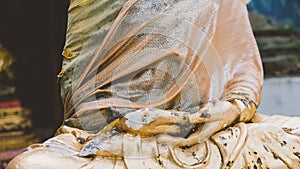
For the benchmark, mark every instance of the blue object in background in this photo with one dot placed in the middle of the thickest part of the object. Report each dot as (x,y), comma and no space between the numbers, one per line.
(283,11)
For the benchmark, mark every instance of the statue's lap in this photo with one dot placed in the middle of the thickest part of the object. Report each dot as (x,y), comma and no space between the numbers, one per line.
(244,145)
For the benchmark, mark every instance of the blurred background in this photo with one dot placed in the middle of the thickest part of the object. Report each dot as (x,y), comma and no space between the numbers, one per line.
(276,25)
(33,32)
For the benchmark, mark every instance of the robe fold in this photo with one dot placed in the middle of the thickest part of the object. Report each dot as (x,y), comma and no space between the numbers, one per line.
(163,84)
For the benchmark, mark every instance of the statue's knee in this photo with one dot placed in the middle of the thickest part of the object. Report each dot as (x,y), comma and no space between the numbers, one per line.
(22,161)
(46,158)
(35,159)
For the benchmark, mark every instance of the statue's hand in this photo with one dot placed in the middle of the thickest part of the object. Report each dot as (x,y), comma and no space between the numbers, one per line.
(247,109)
(210,119)
(218,116)
(153,121)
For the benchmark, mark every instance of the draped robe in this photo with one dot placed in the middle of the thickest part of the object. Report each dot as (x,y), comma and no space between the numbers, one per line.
(165,84)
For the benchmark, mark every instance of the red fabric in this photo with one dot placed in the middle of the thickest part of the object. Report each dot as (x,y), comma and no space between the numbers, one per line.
(10,104)
(7,155)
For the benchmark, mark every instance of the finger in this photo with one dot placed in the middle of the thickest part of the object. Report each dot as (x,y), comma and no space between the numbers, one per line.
(202,134)
(214,112)
(173,141)
(165,118)
(223,114)
(159,117)
(156,130)
(246,109)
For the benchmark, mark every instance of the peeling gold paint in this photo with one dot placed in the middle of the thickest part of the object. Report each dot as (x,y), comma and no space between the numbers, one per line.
(61,73)
(79,4)
(67,54)
(6,59)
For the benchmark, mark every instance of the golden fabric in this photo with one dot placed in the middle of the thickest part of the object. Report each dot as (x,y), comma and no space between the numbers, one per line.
(172,84)
(6,60)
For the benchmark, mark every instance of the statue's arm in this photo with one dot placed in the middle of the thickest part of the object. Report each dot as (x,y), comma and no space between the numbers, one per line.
(238,51)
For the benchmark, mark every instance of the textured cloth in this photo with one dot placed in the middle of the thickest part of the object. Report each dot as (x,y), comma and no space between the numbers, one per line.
(170,84)
(183,57)
(99,15)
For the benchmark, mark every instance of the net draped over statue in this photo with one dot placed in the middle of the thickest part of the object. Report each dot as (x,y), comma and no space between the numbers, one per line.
(163,84)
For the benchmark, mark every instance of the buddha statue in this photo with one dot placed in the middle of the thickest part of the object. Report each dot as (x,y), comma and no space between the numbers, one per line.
(163,84)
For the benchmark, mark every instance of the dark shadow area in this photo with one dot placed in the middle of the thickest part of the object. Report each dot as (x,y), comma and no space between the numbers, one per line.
(34,32)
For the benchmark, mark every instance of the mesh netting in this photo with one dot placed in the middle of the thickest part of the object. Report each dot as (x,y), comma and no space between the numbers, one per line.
(156,54)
